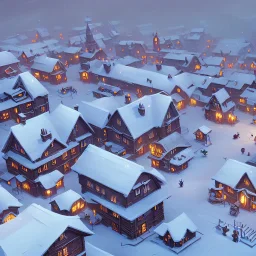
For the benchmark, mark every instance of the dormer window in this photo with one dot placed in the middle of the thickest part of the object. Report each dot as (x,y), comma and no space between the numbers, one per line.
(119,122)
(137,192)
(113,199)
(246,182)
(64,156)
(28,105)
(168,116)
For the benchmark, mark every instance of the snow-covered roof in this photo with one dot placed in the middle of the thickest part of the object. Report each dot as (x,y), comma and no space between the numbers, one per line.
(35,229)
(213,61)
(135,76)
(204,129)
(50,180)
(66,199)
(131,42)
(72,50)
(195,36)
(221,95)
(156,107)
(7,58)
(135,210)
(182,157)
(179,56)
(60,123)
(111,170)
(44,63)
(74,40)
(242,78)
(32,85)
(232,171)
(165,70)
(250,95)
(99,111)
(172,141)
(127,60)
(177,227)
(7,200)
(43,32)
(209,71)
(197,30)
(91,250)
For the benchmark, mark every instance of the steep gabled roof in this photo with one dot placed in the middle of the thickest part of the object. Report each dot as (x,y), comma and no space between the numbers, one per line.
(177,227)
(7,58)
(7,200)
(35,229)
(46,64)
(111,170)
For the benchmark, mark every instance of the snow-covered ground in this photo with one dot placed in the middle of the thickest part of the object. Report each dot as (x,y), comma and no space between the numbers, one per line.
(191,199)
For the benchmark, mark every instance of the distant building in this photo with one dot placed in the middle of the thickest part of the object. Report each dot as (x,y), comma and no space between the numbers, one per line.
(9,65)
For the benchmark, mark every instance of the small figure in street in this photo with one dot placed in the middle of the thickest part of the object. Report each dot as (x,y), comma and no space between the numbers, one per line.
(225,230)
(242,150)
(204,152)
(236,136)
(181,183)
(248,154)
(235,236)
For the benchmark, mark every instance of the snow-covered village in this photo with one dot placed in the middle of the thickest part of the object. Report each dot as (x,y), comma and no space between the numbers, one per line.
(118,141)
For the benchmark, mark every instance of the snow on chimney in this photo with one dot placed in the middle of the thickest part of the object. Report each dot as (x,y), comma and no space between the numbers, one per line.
(76,107)
(141,109)
(22,118)
(107,67)
(45,135)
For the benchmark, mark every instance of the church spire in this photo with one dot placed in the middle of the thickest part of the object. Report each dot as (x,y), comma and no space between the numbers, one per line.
(90,43)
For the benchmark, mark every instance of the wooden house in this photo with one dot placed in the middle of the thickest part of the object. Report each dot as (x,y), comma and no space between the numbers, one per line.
(237,183)
(8,178)
(186,62)
(22,95)
(48,184)
(220,108)
(131,205)
(49,70)
(210,71)
(213,61)
(27,57)
(202,133)
(136,80)
(9,65)
(247,101)
(249,62)
(171,154)
(42,34)
(46,233)
(71,55)
(9,206)
(68,203)
(177,232)
(137,125)
(97,113)
(170,42)
(136,49)
(45,143)
(90,56)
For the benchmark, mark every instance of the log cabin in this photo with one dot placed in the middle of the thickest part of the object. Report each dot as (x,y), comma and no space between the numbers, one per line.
(171,154)
(22,94)
(247,101)
(139,81)
(177,232)
(138,124)
(46,233)
(49,70)
(9,206)
(70,55)
(202,133)
(90,56)
(48,142)
(131,205)
(97,113)
(220,108)
(68,203)
(9,65)
(237,183)
(186,62)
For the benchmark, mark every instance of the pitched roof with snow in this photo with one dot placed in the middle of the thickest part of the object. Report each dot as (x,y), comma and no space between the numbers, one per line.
(40,228)
(135,76)
(179,56)
(209,71)
(172,141)
(50,180)
(232,171)
(156,107)
(177,227)
(221,95)
(99,111)
(66,199)
(131,42)
(204,129)
(91,250)
(43,32)
(213,61)
(72,50)
(250,95)
(165,70)
(60,123)
(45,64)
(7,200)
(7,58)
(32,85)
(111,170)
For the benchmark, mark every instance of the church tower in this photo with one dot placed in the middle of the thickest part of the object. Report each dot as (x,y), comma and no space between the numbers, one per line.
(90,43)
(156,43)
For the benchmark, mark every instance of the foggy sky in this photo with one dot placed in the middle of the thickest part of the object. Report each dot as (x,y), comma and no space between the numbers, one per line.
(222,16)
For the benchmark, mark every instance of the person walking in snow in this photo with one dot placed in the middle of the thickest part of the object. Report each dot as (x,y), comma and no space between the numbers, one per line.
(181,183)
(242,150)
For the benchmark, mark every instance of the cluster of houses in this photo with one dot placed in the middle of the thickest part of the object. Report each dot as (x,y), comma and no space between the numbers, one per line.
(100,139)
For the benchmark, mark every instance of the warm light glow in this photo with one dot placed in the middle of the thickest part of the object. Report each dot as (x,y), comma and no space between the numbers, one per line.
(243,199)
(221,73)
(178,90)
(76,56)
(218,115)
(253,66)
(248,109)
(242,100)
(197,67)
(231,118)
(48,192)
(230,65)
(9,217)
(179,105)
(193,102)
(37,75)
(155,151)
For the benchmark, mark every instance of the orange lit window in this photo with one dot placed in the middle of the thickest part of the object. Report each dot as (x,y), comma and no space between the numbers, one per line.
(48,192)
(46,153)
(15,166)
(242,100)
(56,67)
(26,186)
(178,90)
(28,105)
(230,190)
(16,110)
(192,102)
(37,75)
(246,182)
(155,163)
(5,116)
(115,215)
(197,67)
(105,133)
(24,168)
(73,151)
(43,109)
(58,77)
(66,167)
(65,155)
(45,167)
(59,184)
(22,151)
(9,217)
(113,199)
(140,140)
(119,122)
(54,162)
(85,75)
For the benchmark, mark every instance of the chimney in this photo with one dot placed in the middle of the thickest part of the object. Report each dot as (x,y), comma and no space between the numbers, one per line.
(141,109)
(45,135)
(158,67)
(186,60)
(22,118)
(76,107)
(169,76)
(128,98)
(107,67)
